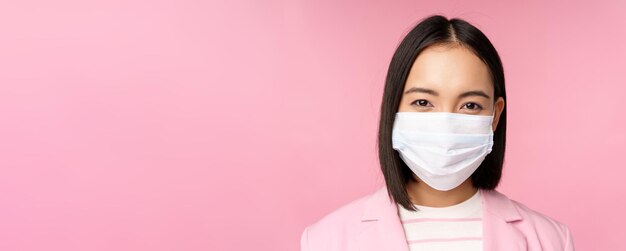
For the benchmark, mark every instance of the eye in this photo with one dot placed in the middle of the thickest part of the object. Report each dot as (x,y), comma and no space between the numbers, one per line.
(420,102)
(472,106)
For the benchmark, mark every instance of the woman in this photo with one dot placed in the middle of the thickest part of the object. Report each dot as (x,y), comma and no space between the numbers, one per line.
(441,147)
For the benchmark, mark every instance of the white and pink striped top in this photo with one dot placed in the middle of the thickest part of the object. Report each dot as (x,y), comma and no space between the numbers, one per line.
(457,227)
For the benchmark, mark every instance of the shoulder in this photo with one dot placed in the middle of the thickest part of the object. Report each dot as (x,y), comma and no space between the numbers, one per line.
(545,229)
(339,224)
(540,220)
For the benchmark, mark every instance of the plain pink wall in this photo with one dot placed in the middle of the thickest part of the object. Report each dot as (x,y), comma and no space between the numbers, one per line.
(231,125)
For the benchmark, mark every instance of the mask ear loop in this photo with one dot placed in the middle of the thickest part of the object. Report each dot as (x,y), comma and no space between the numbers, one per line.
(493,116)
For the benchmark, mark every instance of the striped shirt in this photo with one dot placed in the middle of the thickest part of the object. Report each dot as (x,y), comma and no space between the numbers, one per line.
(456,227)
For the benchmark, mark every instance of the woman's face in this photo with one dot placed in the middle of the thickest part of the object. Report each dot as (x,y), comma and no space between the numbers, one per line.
(447,78)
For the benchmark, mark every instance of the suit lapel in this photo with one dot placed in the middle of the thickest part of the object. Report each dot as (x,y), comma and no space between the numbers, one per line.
(382,227)
(499,213)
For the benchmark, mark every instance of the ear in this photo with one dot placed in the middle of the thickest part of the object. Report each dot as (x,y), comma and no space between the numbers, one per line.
(499,106)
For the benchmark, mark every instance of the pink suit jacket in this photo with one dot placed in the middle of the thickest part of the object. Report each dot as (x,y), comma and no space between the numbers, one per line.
(372,223)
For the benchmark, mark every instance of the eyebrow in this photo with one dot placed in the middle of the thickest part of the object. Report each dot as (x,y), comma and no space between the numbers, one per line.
(434,93)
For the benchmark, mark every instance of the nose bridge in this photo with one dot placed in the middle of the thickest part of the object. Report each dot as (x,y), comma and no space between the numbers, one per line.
(447,104)
(449,108)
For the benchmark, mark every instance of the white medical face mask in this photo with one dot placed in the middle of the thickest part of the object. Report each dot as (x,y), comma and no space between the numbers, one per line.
(443,149)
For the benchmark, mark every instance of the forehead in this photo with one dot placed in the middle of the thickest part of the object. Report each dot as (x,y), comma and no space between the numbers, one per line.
(449,69)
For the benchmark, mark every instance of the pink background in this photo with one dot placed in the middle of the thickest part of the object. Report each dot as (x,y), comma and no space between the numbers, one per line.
(232,125)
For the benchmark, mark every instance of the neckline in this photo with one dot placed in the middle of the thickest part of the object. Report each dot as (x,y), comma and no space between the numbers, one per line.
(468,204)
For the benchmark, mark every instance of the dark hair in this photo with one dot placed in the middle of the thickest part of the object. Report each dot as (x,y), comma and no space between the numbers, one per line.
(436,30)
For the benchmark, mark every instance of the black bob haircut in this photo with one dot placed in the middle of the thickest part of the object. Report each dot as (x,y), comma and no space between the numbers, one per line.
(436,30)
